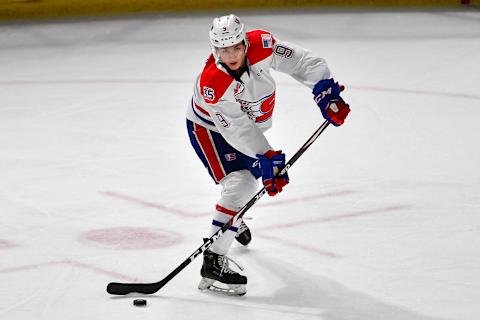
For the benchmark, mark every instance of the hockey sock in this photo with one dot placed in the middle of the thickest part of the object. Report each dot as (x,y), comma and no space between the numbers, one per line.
(221,216)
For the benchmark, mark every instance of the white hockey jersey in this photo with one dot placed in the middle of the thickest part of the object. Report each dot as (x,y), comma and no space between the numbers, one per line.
(242,110)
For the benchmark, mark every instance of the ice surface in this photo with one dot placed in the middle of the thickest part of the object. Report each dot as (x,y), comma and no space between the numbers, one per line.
(98,181)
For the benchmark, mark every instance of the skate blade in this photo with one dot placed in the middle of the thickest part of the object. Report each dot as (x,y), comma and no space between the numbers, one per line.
(218,287)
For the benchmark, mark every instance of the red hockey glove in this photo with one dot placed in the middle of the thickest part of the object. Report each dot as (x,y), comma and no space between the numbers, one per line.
(327,96)
(271,163)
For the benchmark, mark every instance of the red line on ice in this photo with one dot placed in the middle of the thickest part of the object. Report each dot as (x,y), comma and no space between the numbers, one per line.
(306,198)
(183,213)
(336,218)
(148,204)
(90,81)
(30,267)
(167,81)
(298,245)
(262,231)
(82,265)
(5,244)
(422,92)
(101,270)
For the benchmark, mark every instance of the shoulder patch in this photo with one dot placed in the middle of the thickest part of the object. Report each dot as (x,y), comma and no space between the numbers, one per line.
(260,45)
(267,41)
(208,93)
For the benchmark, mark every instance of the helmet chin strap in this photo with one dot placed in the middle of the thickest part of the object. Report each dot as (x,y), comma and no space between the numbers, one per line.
(245,42)
(237,73)
(215,54)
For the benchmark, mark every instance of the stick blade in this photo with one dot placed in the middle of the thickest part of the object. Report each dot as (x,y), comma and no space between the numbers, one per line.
(126,288)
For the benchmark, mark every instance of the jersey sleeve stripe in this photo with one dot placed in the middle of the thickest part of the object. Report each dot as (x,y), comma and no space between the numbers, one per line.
(207,121)
(201,109)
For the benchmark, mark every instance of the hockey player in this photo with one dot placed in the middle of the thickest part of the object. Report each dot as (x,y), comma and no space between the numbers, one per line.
(231,107)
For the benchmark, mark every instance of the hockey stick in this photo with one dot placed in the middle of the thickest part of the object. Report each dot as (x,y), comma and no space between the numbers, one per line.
(149,288)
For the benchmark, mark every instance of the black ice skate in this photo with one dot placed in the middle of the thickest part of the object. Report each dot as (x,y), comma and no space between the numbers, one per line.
(218,277)
(244,236)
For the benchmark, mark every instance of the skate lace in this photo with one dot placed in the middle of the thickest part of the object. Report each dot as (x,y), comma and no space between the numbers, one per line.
(242,228)
(223,260)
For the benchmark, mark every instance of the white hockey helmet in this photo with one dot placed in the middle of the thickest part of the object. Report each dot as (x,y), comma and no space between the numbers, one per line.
(227,31)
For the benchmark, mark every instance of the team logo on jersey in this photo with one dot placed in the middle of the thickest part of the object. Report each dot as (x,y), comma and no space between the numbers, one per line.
(208,93)
(260,110)
(267,41)
(230,157)
(222,120)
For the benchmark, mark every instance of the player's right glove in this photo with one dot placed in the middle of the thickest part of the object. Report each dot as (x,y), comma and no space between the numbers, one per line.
(327,96)
(270,163)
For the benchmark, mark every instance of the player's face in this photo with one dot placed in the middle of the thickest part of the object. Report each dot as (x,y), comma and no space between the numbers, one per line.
(233,56)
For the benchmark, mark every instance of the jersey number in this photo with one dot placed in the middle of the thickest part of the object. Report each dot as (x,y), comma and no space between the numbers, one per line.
(283,51)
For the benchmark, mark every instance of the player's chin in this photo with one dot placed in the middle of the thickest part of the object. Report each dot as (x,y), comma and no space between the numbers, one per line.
(234,66)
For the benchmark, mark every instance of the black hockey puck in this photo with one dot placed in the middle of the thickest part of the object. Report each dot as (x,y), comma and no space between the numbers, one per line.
(140,302)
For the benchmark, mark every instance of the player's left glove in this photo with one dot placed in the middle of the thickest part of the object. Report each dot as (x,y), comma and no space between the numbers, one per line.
(327,96)
(270,163)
